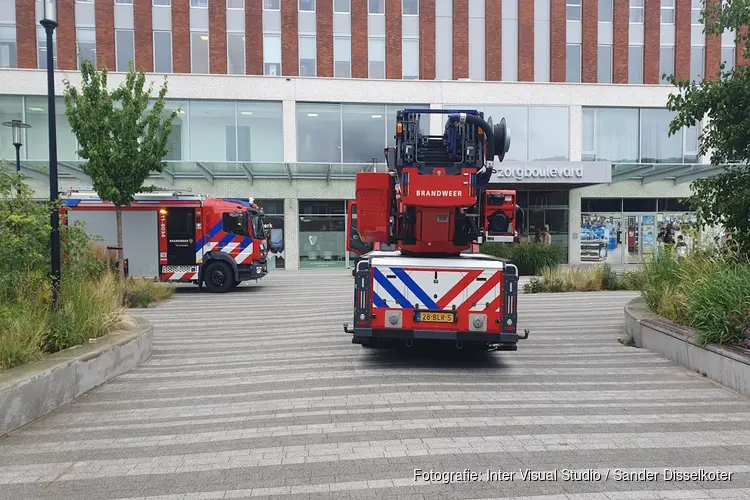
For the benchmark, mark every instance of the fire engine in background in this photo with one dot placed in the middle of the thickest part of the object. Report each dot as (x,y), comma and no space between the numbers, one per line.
(219,242)
(432,205)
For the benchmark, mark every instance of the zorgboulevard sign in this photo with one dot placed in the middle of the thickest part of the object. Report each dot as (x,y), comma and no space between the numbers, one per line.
(521,173)
(552,172)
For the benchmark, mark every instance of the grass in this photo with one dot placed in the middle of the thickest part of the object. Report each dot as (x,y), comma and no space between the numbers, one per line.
(584,278)
(708,293)
(89,309)
(530,258)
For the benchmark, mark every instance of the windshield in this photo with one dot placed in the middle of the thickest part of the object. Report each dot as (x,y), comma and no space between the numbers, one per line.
(258,229)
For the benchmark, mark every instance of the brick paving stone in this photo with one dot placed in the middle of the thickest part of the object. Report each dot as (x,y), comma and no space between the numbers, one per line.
(240,401)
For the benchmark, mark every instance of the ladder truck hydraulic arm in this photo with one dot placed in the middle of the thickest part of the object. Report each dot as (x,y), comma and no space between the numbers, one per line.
(431,209)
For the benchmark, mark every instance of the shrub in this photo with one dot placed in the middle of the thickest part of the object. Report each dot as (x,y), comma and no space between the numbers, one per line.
(142,292)
(585,278)
(93,298)
(709,293)
(530,258)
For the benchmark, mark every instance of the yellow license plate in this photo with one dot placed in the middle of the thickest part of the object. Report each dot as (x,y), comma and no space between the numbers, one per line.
(435,317)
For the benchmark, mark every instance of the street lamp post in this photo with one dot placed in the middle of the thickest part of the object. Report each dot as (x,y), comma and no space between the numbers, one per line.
(17,125)
(49,22)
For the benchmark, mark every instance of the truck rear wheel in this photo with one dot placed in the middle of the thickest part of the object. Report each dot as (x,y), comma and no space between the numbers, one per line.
(218,277)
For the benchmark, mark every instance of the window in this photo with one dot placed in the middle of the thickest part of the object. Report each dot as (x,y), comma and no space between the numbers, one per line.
(610,134)
(199,4)
(272,55)
(695,12)
(341,7)
(363,127)
(635,64)
(697,67)
(573,10)
(656,145)
(573,63)
(124,48)
(308,52)
(549,133)
(238,141)
(161,3)
(199,52)
(636,11)
(410,7)
(236,53)
(376,57)
(376,6)
(162,51)
(235,4)
(235,223)
(86,41)
(41,39)
(667,11)
(342,57)
(123,2)
(319,132)
(306,5)
(727,57)
(410,59)
(604,64)
(271,4)
(605,11)
(8,47)
(690,149)
(260,136)
(666,63)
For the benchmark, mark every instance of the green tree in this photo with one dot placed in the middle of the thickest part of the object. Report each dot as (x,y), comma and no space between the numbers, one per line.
(723,199)
(121,140)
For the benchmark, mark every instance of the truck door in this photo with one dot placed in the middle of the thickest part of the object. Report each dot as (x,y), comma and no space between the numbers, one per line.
(353,242)
(181,236)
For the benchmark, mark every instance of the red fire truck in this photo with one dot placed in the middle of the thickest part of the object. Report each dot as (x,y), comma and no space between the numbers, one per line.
(219,242)
(432,204)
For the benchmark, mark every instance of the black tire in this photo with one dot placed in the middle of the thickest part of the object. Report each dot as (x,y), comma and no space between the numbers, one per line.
(218,277)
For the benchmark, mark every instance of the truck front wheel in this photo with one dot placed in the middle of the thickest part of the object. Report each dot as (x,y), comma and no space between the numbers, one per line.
(218,277)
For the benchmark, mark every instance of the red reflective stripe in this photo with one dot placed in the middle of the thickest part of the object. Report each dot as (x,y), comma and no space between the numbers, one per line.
(458,288)
(481,292)
(496,304)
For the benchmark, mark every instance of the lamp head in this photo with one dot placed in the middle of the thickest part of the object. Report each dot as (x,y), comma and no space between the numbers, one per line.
(17,125)
(49,11)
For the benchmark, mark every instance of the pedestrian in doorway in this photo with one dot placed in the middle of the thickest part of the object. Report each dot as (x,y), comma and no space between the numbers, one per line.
(546,237)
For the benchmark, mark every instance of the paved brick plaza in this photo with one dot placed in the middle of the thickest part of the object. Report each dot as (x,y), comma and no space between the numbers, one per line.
(239,401)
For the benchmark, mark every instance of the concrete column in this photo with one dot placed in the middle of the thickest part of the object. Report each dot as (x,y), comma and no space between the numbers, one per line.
(574,227)
(291,233)
(576,133)
(289,113)
(436,121)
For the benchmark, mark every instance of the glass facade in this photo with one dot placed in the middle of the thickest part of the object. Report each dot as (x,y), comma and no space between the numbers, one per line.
(203,131)
(346,133)
(629,230)
(539,133)
(322,233)
(633,135)
(274,210)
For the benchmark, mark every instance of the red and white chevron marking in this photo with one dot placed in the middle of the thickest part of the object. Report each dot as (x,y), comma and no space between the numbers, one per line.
(183,276)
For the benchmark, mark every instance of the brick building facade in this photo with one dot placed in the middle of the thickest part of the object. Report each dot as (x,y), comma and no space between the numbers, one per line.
(589,41)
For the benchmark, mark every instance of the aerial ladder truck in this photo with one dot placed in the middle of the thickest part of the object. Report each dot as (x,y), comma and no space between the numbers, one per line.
(432,208)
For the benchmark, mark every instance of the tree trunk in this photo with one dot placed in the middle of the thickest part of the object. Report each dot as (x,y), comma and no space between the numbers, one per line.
(120,259)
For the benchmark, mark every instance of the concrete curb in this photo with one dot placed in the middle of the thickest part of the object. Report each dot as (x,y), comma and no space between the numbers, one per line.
(31,391)
(728,366)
